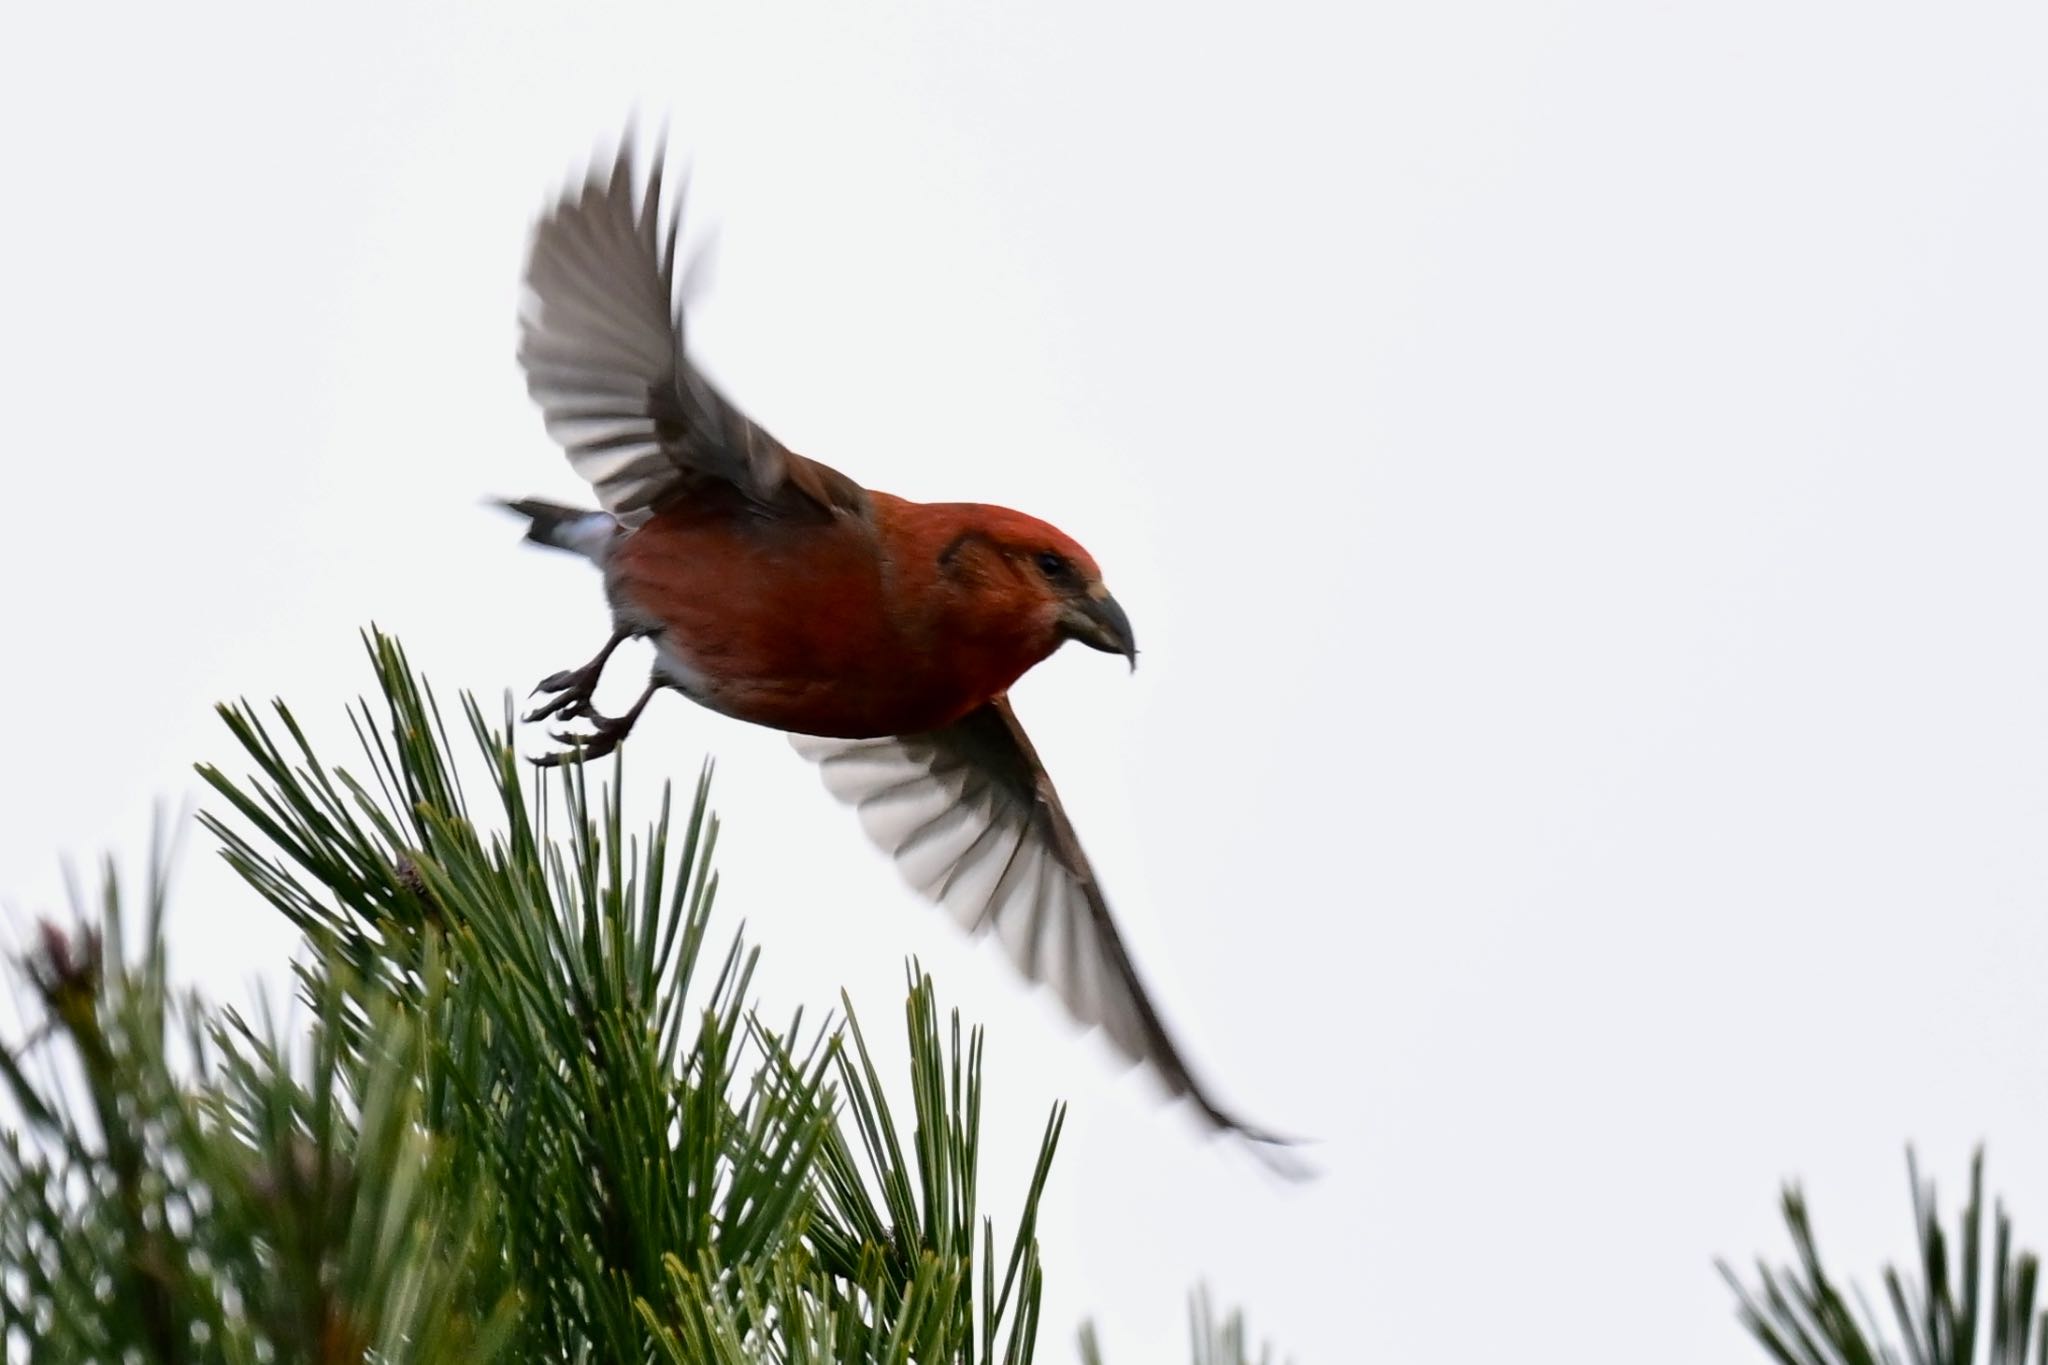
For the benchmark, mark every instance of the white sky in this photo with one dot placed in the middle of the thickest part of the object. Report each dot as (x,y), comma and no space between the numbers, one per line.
(1577,470)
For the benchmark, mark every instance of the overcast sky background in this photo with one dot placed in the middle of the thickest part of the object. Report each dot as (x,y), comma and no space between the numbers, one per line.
(1577,471)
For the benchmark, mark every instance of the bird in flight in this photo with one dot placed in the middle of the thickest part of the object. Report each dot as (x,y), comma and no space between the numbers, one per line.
(882,634)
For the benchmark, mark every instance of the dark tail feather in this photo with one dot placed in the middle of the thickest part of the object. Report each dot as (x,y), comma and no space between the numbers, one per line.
(579,530)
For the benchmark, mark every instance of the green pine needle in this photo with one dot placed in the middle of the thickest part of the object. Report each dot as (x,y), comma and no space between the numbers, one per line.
(1800,1316)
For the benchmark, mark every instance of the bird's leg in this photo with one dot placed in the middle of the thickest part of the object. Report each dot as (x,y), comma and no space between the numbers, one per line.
(572,689)
(606,732)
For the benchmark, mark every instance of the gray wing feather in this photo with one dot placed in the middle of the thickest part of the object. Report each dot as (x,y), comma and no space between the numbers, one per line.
(601,341)
(974,823)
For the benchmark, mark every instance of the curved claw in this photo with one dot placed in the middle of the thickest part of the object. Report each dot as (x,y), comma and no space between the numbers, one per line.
(568,706)
(545,710)
(593,745)
(556,682)
(578,748)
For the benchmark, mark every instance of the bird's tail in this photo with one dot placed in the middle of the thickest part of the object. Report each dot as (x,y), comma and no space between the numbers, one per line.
(579,530)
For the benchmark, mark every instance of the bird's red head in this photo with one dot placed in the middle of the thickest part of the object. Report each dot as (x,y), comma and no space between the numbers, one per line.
(1023,586)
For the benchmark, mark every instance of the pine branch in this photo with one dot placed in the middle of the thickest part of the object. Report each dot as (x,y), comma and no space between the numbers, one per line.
(1800,1316)
(222,1192)
(530,1116)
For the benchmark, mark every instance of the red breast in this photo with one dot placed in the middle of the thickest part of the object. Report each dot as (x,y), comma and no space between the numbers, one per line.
(837,626)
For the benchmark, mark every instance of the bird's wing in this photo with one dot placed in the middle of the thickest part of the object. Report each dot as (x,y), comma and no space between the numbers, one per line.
(974,823)
(601,341)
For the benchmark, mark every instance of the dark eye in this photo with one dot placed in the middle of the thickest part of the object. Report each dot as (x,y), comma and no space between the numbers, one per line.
(1053,565)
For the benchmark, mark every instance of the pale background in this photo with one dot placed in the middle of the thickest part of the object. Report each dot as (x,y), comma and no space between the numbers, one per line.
(1576,469)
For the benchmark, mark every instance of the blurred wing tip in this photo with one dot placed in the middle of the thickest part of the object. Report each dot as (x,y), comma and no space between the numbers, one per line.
(1262,1137)
(1279,1155)
(959,837)
(627,175)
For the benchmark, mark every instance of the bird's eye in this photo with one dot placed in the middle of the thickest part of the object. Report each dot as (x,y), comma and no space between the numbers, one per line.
(1053,565)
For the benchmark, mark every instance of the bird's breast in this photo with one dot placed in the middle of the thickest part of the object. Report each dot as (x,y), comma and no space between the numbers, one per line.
(810,628)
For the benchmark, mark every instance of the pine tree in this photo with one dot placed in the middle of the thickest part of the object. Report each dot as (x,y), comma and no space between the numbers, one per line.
(529,1114)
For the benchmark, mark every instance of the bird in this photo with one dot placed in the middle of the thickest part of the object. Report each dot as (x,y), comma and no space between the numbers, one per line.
(880,633)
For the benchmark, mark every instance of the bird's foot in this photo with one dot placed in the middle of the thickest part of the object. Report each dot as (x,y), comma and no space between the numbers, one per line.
(570,693)
(606,732)
(571,690)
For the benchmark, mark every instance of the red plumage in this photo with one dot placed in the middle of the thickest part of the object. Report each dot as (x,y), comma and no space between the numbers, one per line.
(848,626)
(882,634)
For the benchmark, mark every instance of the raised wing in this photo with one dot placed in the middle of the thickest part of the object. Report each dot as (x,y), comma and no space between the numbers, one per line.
(974,823)
(601,341)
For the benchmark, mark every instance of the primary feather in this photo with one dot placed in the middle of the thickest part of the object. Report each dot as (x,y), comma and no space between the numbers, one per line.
(601,341)
(974,823)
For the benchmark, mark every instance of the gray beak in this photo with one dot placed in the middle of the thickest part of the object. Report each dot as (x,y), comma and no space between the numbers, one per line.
(1099,623)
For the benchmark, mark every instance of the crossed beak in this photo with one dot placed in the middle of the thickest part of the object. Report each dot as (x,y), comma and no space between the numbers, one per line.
(1099,623)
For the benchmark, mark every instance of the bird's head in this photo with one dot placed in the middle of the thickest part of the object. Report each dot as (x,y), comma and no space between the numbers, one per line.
(1023,575)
